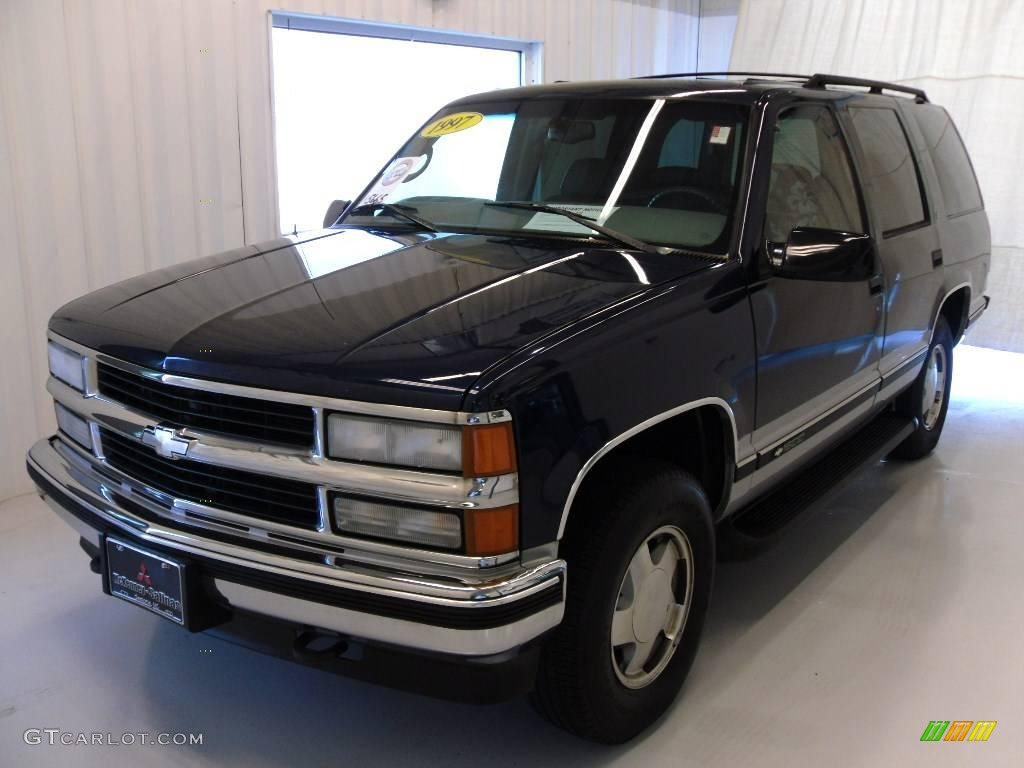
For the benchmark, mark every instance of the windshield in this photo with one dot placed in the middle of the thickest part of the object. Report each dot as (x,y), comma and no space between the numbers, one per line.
(663,171)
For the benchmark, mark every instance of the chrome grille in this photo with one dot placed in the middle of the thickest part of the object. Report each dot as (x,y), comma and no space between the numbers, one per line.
(261,496)
(244,417)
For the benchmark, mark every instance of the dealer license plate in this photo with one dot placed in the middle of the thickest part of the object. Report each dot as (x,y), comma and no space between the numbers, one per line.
(146,579)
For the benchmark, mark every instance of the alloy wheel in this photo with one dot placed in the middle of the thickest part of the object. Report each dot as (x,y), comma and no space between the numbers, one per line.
(651,607)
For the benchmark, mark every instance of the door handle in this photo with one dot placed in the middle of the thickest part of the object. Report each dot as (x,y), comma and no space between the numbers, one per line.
(875,284)
(936,258)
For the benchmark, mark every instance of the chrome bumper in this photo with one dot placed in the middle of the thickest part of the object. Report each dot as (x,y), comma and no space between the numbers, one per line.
(464,613)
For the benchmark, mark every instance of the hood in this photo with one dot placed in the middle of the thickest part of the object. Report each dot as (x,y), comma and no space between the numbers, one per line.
(382,317)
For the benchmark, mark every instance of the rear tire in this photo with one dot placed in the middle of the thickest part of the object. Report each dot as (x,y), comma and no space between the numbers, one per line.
(927,400)
(641,554)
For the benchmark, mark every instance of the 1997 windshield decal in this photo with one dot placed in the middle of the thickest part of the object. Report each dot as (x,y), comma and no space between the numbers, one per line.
(459,121)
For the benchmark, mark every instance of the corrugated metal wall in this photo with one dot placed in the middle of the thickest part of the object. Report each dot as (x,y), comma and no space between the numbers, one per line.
(137,133)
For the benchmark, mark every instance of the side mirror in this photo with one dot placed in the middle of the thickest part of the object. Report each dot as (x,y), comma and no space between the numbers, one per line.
(823,254)
(334,211)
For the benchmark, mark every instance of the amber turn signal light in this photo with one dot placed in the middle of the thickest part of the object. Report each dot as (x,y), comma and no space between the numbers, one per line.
(488,450)
(492,531)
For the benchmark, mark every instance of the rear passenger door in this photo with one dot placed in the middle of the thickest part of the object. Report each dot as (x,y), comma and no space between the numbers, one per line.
(902,227)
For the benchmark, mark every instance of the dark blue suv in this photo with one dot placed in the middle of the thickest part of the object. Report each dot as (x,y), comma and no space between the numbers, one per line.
(488,431)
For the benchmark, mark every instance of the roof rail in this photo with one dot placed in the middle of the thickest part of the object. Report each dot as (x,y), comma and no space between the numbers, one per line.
(874,86)
(808,81)
(721,74)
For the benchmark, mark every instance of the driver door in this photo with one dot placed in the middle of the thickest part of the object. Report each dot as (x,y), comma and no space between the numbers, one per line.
(818,341)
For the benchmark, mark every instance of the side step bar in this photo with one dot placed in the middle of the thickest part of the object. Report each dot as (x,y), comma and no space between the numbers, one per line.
(751,529)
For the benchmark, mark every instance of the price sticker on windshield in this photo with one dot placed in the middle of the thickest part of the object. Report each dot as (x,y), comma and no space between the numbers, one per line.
(460,121)
(393,175)
(720,134)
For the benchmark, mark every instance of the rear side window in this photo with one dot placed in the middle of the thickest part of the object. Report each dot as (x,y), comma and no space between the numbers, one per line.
(891,169)
(956,174)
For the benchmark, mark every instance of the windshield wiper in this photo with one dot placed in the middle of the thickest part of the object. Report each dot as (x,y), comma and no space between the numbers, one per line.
(619,237)
(406,212)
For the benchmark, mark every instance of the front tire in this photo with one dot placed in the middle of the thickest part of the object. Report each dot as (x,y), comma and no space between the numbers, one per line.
(927,400)
(641,554)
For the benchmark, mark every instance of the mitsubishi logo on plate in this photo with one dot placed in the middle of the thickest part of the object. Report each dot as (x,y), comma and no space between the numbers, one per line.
(143,576)
(167,442)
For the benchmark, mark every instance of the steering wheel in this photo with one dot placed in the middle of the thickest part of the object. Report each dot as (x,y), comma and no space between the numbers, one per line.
(709,202)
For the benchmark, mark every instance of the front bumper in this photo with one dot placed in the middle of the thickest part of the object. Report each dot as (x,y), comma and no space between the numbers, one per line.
(462,615)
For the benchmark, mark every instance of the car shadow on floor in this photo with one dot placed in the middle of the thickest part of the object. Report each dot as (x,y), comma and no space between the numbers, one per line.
(745,590)
(256,710)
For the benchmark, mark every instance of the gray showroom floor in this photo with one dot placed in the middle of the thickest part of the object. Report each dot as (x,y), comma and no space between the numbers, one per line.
(897,604)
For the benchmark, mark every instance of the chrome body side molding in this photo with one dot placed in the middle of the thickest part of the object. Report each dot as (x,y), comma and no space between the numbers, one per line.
(804,443)
(776,461)
(902,376)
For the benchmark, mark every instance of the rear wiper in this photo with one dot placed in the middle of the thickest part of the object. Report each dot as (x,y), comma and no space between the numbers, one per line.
(619,237)
(406,212)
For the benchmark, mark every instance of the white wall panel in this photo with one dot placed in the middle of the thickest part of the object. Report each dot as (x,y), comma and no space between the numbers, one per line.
(135,134)
(717,29)
(255,119)
(210,68)
(47,212)
(156,42)
(18,424)
(108,169)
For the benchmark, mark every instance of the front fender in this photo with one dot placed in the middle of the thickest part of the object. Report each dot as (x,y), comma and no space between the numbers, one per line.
(574,398)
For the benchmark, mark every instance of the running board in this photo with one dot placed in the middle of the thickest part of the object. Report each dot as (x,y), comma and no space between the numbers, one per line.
(752,528)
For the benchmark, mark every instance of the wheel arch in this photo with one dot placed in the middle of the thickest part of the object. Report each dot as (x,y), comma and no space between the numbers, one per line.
(711,459)
(955,307)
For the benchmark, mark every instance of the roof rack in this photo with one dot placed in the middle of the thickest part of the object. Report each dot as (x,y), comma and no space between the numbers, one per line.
(873,86)
(722,74)
(808,81)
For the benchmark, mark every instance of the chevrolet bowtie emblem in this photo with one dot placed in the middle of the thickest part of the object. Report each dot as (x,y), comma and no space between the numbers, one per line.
(167,442)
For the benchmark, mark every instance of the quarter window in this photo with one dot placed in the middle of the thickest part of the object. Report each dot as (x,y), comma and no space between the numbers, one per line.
(956,174)
(890,169)
(812,181)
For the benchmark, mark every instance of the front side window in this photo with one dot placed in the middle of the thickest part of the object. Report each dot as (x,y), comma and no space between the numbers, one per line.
(890,169)
(662,171)
(811,177)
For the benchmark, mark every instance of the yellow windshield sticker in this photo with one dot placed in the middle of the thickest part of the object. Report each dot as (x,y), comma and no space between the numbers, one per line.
(460,121)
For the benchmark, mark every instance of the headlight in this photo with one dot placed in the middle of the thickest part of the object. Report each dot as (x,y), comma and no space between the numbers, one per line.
(74,426)
(400,443)
(67,366)
(473,451)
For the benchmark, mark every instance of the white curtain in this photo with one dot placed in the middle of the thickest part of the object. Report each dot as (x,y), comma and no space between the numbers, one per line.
(968,56)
